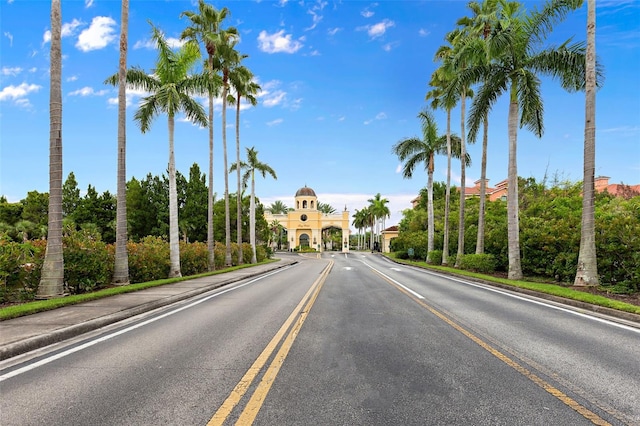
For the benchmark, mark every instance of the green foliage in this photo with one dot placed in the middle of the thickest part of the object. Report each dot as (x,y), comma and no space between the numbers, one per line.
(20,265)
(148,259)
(435,257)
(194,258)
(88,263)
(36,207)
(481,263)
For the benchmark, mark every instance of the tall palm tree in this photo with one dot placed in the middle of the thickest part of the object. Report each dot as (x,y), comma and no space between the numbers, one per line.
(413,151)
(170,87)
(326,208)
(251,166)
(587,271)
(379,211)
(514,69)
(206,28)
(447,100)
(480,24)
(52,275)
(241,80)
(359,221)
(226,59)
(121,267)
(452,52)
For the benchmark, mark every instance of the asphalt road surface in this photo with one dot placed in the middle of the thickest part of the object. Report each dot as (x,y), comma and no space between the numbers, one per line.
(338,340)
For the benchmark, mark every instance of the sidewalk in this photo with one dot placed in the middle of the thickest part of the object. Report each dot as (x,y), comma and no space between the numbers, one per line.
(24,334)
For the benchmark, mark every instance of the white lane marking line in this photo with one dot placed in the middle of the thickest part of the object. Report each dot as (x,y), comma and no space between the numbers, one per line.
(396,269)
(126,330)
(418,295)
(537,302)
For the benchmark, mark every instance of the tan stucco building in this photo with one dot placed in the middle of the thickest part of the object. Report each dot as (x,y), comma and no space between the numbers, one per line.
(305,223)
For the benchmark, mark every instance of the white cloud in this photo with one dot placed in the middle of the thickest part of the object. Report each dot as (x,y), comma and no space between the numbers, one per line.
(17,92)
(423,32)
(88,3)
(100,33)
(274,98)
(150,44)
(11,70)
(72,78)
(70,28)
(88,91)
(131,95)
(275,122)
(278,42)
(367,13)
(399,168)
(314,11)
(377,30)
(10,37)
(379,116)
(46,37)
(333,31)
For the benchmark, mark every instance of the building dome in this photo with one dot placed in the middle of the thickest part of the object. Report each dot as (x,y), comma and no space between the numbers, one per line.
(305,192)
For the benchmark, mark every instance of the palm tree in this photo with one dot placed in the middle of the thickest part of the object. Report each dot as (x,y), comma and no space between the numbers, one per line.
(278,207)
(52,275)
(440,99)
(515,66)
(379,211)
(170,87)
(205,28)
(121,267)
(326,208)
(241,80)
(251,166)
(587,271)
(359,221)
(226,59)
(412,151)
(452,52)
(483,19)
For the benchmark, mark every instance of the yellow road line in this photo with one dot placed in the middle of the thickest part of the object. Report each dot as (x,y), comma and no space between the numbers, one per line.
(567,400)
(245,382)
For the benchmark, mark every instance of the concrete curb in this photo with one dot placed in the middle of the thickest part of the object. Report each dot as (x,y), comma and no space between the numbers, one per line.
(36,342)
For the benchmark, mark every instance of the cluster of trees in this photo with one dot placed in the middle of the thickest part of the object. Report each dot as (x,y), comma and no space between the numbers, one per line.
(500,50)
(372,216)
(171,88)
(550,216)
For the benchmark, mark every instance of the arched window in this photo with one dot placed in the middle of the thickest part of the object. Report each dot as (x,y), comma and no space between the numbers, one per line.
(312,205)
(304,204)
(297,204)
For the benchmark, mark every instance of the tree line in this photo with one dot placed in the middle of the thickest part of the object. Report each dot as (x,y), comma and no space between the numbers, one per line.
(499,50)
(171,88)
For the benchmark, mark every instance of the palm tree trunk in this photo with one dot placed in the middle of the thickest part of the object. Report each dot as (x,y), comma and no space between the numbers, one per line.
(239,197)
(483,188)
(52,275)
(463,177)
(252,219)
(513,227)
(227,220)
(430,215)
(447,198)
(587,273)
(210,240)
(174,236)
(121,267)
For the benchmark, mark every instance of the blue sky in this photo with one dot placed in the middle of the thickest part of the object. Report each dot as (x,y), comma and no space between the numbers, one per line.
(342,81)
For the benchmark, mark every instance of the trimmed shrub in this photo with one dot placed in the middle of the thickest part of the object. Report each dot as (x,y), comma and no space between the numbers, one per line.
(148,260)
(481,263)
(194,258)
(88,265)
(20,267)
(435,257)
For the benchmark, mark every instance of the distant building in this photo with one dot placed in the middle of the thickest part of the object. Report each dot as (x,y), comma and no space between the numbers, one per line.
(387,235)
(499,192)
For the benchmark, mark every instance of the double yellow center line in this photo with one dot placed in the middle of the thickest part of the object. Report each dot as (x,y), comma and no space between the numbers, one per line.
(299,315)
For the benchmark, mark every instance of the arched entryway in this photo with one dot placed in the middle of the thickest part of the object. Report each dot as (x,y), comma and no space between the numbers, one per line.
(304,240)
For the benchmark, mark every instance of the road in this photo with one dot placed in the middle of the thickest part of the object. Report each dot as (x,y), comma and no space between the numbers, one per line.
(338,340)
